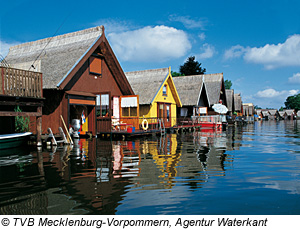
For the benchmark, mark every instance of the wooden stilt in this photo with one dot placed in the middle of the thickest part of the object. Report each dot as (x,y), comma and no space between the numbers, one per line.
(39,127)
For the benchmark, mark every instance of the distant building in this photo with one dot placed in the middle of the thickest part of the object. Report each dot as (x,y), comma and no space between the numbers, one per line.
(230,101)
(238,108)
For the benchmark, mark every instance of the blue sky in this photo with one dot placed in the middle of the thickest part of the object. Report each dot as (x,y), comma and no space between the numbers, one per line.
(256,44)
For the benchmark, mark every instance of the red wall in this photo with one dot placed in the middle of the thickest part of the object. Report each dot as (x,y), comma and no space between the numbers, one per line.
(56,103)
(104,83)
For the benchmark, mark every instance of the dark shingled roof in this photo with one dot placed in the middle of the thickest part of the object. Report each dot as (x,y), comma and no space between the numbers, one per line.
(58,55)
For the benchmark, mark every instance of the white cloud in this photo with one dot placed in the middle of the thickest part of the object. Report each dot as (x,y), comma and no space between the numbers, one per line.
(271,98)
(207,51)
(188,22)
(285,54)
(202,36)
(115,26)
(295,79)
(150,44)
(4,47)
(272,93)
(270,55)
(235,52)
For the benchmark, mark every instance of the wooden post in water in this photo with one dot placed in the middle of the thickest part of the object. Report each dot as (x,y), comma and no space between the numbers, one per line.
(39,127)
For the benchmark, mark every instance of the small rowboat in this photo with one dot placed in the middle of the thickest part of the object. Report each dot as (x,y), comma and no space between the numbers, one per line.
(13,140)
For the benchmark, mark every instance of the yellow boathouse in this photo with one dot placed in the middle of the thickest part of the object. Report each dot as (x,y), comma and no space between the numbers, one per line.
(158,97)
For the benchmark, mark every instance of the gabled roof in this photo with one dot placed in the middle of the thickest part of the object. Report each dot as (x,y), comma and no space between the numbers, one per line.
(189,89)
(272,112)
(56,55)
(147,84)
(265,113)
(230,99)
(282,113)
(237,102)
(213,84)
(289,112)
(60,57)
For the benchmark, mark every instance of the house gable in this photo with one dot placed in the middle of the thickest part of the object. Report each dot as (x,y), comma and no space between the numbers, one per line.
(189,89)
(203,98)
(62,58)
(111,76)
(171,95)
(215,87)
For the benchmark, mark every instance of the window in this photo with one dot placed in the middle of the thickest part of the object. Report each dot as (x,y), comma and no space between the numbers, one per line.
(129,112)
(168,113)
(95,66)
(129,106)
(165,90)
(102,105)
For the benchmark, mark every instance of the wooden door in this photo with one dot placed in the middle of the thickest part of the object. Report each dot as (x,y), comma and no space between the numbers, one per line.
(164,112)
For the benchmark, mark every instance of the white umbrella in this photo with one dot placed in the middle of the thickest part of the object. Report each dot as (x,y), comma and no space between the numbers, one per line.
(219,108)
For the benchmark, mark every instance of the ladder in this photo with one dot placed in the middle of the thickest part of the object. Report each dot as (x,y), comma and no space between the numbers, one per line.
(162,126)
(62,135)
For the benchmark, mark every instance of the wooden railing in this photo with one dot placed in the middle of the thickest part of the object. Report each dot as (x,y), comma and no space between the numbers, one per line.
(20,83)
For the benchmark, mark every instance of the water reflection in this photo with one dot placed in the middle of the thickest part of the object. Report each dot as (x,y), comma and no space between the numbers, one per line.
(170,174)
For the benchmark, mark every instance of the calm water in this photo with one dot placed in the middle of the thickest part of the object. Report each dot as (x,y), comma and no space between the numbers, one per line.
(253,169)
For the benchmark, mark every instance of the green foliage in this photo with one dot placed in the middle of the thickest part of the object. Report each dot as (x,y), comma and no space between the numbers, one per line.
(21,123)
(281,108)
(175,74)
(293,102)
(257,107)
(191,67)
(228,84)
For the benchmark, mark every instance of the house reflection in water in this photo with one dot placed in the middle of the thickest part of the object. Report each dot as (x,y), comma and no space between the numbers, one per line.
(95,175)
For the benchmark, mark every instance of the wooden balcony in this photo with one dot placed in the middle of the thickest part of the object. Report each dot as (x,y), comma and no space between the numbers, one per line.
(20,83)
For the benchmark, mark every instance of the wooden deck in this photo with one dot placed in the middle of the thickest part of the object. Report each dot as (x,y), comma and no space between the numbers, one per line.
(187,126)
(23,89)
(20,83)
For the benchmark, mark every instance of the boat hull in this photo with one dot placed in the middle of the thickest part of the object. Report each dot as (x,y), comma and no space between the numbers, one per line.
(8,141)
(210,125)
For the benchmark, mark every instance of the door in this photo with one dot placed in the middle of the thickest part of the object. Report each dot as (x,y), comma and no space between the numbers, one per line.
(164,112)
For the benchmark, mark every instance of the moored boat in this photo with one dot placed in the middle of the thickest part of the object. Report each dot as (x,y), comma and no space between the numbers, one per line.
(13,140)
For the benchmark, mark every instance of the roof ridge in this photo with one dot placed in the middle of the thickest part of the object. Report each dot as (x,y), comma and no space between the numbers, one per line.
(148,70)
(59,37)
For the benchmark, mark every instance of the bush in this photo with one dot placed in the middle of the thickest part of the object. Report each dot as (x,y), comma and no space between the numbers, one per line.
(21,123)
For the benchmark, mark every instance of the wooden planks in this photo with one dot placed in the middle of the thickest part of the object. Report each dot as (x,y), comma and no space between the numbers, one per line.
(20,83)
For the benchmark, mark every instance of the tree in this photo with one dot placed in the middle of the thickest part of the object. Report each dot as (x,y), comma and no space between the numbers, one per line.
(228,84)
(191,67)
(257,107)
(293,102)
(175,74)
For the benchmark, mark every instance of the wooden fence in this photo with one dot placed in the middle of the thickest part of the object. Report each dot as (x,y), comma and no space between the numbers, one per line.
(20,83)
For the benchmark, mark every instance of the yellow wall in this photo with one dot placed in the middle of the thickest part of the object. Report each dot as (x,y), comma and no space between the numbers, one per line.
(151,111)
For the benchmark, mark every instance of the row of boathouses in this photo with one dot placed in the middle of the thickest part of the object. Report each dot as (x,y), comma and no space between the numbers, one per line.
(80,78)
(274,114)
